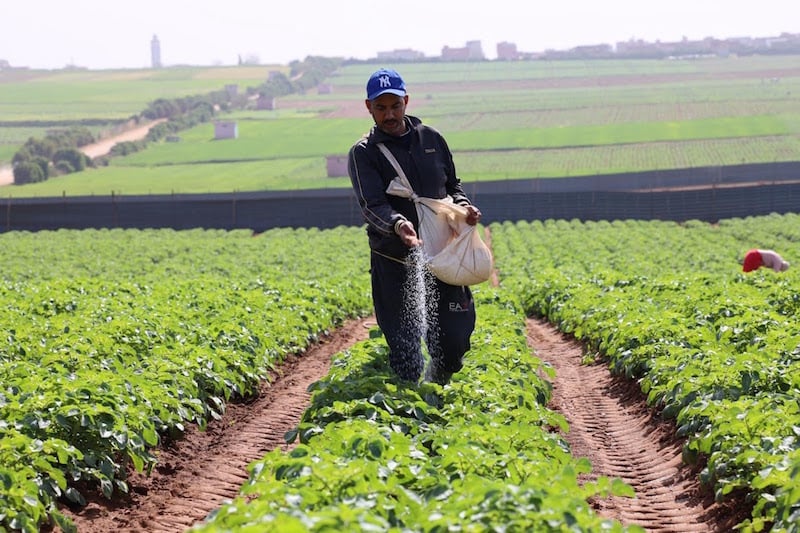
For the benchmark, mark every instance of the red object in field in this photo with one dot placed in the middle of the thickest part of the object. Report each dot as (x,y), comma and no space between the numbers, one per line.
(752,261)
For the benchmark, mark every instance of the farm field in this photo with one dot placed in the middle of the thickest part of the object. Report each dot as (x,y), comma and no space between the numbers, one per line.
(502,120)
(32,102)
(209,315)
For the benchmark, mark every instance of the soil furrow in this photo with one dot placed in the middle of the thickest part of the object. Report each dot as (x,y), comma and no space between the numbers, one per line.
(612,426)
(203,469)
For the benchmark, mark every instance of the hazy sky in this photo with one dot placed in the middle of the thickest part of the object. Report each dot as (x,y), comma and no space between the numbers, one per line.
(102,34)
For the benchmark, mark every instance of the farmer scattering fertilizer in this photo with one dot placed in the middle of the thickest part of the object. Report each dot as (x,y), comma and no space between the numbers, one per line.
(411,304)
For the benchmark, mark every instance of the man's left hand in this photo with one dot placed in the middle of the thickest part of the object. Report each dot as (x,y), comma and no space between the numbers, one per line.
(473,215)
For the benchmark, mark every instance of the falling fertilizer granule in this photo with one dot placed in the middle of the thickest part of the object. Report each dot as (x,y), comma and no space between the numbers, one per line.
(421,304)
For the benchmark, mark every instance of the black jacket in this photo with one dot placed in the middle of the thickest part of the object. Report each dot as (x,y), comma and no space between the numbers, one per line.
(429,167)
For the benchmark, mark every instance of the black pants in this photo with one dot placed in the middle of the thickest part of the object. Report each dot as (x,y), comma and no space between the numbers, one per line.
(412,305)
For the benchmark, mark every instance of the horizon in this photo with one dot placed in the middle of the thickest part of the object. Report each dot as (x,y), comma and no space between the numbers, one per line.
(199,34)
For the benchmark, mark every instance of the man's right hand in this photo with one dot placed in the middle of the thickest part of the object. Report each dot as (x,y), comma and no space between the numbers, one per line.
(407,234)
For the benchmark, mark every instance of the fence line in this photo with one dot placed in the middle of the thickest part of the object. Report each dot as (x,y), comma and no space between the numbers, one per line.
(708,194)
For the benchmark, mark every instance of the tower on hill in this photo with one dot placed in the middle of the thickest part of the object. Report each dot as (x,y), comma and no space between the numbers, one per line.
(155,52)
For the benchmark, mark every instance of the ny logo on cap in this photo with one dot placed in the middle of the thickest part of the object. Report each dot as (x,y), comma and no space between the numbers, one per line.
(385,82)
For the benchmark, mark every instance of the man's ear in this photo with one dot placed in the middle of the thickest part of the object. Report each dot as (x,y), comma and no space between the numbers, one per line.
(368,105)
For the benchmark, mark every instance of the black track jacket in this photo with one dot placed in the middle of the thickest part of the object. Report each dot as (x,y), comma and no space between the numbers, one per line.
(429,167)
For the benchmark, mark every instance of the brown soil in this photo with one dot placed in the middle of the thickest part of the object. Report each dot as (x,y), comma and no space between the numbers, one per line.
(103,146)
(610,425)
(197,473)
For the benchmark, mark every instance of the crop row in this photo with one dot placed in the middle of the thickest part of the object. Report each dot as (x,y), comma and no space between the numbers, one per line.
(379,454)
(714,349)
(113,340)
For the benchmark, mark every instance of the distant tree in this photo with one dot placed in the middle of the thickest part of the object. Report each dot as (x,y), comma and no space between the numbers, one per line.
(41,147)
(23,155)
(76,159)
(43,164)
(161,108)
(125,148)
(63,166)
(28,172)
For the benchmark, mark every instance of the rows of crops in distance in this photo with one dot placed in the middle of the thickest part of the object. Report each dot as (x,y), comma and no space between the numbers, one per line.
(496,130)
(456,72)
(113,94)
(473,166)
(589,161)
(605,114)
(713,348)
(376,455)
(584,102)
(112,339)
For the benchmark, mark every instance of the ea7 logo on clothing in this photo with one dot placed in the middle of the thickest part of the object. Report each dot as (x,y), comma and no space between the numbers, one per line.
(385,81)
(458,307)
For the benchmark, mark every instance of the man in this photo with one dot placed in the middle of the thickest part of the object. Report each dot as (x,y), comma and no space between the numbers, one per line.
(392,229)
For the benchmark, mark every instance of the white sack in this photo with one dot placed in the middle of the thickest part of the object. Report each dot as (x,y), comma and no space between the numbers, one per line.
(454,249)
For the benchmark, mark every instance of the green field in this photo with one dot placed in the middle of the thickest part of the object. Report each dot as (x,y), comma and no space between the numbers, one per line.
(115,341)
(502,120)
(110,94)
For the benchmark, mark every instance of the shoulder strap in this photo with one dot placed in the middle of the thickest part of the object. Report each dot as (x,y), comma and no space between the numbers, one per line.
(393,161)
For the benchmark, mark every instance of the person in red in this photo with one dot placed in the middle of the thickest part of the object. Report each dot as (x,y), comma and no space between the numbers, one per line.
(755,259)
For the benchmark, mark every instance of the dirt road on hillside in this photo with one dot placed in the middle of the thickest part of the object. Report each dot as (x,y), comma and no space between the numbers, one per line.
(97,149)
(610,424)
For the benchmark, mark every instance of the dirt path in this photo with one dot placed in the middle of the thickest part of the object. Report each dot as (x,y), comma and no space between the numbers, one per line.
(609,424)
(101,147)
(197,473)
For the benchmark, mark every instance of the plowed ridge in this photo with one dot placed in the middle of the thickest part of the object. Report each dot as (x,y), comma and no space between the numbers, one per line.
(611,425)
(198,473)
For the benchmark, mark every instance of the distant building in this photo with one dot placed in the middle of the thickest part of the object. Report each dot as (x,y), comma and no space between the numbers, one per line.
(471,52)
(155,52)
(336,166)
(324,88)
(266,102)
(226,130)
(507,51)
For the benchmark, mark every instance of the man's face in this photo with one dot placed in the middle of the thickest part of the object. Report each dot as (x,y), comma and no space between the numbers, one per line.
(388,112)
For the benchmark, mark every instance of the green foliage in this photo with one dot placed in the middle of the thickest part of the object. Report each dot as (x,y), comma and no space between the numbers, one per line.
(28,172)
(714,349)
(127,147)
(138,334)
(374,455)
(76,159)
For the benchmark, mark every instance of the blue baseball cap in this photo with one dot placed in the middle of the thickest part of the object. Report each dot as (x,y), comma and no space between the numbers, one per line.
(384,81)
